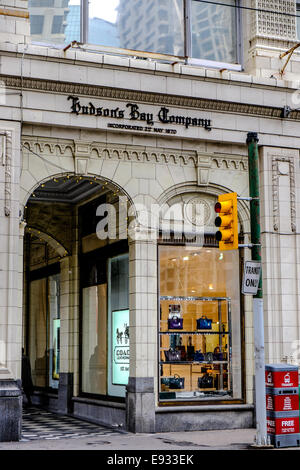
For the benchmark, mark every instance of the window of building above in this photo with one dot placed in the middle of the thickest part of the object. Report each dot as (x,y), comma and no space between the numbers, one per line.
(55,22)
(197,30)
(214,31)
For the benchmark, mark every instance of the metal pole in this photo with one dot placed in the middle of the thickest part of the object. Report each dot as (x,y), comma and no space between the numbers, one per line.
(258,310)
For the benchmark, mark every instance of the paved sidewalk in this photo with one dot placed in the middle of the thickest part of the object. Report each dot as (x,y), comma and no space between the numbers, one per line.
(239,439)
(43,430)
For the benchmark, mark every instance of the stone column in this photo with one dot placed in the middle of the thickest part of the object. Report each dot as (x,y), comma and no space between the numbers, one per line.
(280,178)
(140,398)
(11,244)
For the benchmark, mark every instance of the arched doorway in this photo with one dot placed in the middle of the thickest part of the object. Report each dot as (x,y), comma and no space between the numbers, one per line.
(76,288)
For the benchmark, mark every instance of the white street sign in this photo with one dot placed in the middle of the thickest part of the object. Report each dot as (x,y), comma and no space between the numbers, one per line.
(252,270)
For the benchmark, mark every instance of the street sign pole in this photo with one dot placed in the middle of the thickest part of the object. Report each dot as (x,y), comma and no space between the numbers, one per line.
(258,311)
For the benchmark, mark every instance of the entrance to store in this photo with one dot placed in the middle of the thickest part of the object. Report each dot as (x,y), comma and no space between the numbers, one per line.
(75,292)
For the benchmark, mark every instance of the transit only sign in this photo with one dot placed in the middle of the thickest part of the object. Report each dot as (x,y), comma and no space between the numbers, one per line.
(252,271)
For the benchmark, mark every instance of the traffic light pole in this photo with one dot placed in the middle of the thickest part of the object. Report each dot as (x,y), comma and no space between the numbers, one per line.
(258,311)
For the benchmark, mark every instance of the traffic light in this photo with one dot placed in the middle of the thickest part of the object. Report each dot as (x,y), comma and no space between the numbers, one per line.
(227,221)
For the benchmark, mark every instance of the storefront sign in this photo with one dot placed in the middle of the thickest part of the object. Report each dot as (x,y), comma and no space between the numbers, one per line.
(251,277)
(120,347)
(134,112)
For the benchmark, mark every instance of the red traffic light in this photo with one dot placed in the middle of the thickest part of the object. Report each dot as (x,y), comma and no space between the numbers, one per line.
(218,207)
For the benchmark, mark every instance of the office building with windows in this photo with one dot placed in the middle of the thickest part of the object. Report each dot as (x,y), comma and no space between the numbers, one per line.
(119,129)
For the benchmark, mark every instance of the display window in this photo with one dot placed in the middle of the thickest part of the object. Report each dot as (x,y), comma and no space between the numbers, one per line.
(199,324)
(44,330)
(105,324)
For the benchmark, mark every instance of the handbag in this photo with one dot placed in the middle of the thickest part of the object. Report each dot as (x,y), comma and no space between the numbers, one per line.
(199,356)
(190,351)
(206,381)
(175,382)
(218,356)
(182,351)
(172,355)
(208,357)
(175,323)
(204,323)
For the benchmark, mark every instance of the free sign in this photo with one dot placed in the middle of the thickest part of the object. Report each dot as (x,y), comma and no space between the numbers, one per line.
(252,270)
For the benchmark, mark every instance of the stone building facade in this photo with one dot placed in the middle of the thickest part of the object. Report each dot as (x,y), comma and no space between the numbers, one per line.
(81,128)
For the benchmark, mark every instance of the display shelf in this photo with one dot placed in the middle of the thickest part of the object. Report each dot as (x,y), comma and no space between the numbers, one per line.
(176,332)
(216,340)
(191,298)
(193,362)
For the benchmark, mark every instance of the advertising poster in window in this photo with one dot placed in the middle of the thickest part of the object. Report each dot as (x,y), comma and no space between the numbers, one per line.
(120,347)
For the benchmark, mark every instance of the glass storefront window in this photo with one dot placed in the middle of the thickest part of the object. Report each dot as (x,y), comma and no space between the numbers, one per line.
(94,339)
(214,31)
(44,331)
(55,21)
(105,325)
(155,26)
(199,335)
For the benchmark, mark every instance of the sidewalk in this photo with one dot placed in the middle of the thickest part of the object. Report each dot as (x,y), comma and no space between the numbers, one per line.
(43,430)
(239,439)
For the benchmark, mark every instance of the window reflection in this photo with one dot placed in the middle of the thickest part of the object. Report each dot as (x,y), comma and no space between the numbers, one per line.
(214,31)
(44,331)
(155,26)
(54,21)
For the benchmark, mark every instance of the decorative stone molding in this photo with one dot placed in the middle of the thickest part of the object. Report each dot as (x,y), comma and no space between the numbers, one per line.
(276,172)
(82,153)
(136,154)
(203,167)
(101,92)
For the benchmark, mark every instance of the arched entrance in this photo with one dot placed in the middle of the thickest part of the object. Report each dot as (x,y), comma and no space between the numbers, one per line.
(76,288)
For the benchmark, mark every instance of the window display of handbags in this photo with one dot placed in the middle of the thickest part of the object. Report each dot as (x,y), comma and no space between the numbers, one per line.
(198,350)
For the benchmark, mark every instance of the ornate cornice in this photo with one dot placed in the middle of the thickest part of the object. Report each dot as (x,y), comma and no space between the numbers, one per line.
(79,89)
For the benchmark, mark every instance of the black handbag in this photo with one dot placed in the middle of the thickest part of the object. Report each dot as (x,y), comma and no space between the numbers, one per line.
(175,382)
(199,356)
(190,351)
(173,355)
(206,381)
(182,351)
(218,356)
